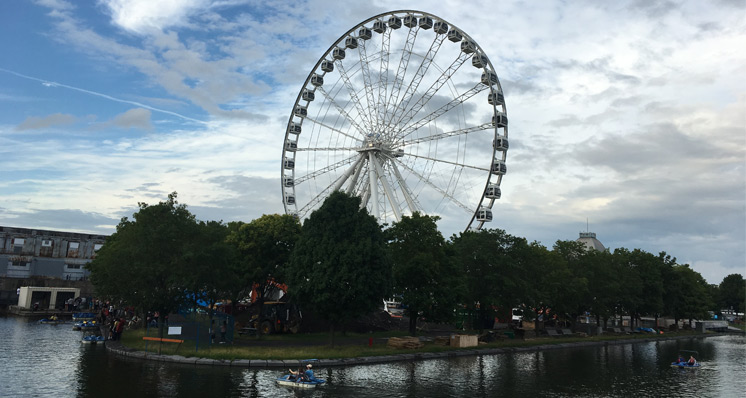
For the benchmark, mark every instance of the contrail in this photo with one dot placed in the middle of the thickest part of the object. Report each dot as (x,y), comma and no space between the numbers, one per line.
(48,83)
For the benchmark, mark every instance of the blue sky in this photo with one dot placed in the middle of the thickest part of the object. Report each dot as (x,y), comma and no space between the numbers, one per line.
(631,115)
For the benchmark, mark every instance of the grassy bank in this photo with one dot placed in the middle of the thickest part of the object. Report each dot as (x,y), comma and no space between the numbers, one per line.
(288,347)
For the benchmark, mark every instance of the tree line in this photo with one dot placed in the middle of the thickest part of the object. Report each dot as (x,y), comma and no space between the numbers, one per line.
(341,263)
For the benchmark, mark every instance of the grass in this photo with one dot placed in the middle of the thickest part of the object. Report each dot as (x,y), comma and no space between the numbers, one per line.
(133,339)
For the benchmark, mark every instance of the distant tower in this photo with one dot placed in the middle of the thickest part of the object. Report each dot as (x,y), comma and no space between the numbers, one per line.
(590,241)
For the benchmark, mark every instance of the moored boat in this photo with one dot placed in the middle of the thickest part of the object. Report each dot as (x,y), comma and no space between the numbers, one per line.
(85,325)
(83,316)
(92,339)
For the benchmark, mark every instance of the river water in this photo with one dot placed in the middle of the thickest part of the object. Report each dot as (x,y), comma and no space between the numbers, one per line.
(49,361)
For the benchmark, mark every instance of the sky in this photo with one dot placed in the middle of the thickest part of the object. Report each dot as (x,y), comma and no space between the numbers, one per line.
(627,118)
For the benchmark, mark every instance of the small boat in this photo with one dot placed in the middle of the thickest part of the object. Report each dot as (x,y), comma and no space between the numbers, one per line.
(287,381)
(82,316)
(92,339)
(85,325)
(50,321)
(684,365)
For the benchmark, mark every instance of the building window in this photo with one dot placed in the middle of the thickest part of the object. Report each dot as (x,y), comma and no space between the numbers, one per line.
(18,263)
(18,245)
(72,266)
(97,246)
(72,249)
(46,248)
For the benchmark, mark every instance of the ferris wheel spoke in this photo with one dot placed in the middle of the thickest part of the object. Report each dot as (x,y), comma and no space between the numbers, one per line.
(400,73)
(442,110)
(448,162)
(368,85)
(437,188)
(415,83)
(326,169)
(322,124)
(383,76)
(325,149)
(447,134)
(340,109)
(318,198)
(353,95)
(434,88)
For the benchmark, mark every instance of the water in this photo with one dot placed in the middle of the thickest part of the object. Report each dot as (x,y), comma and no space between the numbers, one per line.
(49,361)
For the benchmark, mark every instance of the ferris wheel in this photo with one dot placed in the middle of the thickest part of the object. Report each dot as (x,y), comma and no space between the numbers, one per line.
(405,111)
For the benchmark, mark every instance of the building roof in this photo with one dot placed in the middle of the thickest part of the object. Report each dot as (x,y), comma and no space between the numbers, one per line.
(590,241)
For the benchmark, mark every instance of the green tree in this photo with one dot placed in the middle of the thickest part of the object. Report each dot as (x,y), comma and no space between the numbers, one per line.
(732,292)
(422,272)
(206,270)
(264,247)
(569,281)
(492,263)
(340,267)
(140,264)
(694,300)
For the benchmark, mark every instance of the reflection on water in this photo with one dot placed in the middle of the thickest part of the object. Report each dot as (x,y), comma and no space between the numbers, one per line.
(49,361)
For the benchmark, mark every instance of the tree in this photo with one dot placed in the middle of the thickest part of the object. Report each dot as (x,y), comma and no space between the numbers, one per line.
(492,263)
(206,272)
(140,263)
(422,272)
(567,282)
(339,265)
(732,292)
(264,247)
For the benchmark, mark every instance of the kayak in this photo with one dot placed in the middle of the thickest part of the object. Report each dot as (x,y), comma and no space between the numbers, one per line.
(286,381)
(684,365)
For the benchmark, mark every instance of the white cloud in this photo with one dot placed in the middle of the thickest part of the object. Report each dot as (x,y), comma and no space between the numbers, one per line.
(142,16)
(36,122)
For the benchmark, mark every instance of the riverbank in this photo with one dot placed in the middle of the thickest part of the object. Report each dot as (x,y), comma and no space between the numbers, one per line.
(427,352)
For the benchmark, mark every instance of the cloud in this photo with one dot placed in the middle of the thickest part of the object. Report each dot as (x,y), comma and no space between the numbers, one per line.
(140,16)
(37,123)
(133,118)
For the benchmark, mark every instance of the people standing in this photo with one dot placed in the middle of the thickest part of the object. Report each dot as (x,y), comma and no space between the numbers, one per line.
(223,330)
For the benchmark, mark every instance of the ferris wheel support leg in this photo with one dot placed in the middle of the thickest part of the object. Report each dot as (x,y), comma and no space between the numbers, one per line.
(356,176)
(373,184)
(386,188)
(405,189)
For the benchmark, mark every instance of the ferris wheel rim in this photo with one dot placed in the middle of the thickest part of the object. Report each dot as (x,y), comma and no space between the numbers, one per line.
(494,87)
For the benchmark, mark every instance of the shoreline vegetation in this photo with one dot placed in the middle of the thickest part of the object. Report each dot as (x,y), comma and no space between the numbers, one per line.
(298,347)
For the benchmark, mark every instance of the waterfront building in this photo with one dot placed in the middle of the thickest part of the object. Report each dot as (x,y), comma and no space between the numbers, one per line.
(36,257)
(33,252)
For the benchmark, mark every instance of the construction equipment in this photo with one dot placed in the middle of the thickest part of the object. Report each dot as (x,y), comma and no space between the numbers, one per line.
(277,317)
